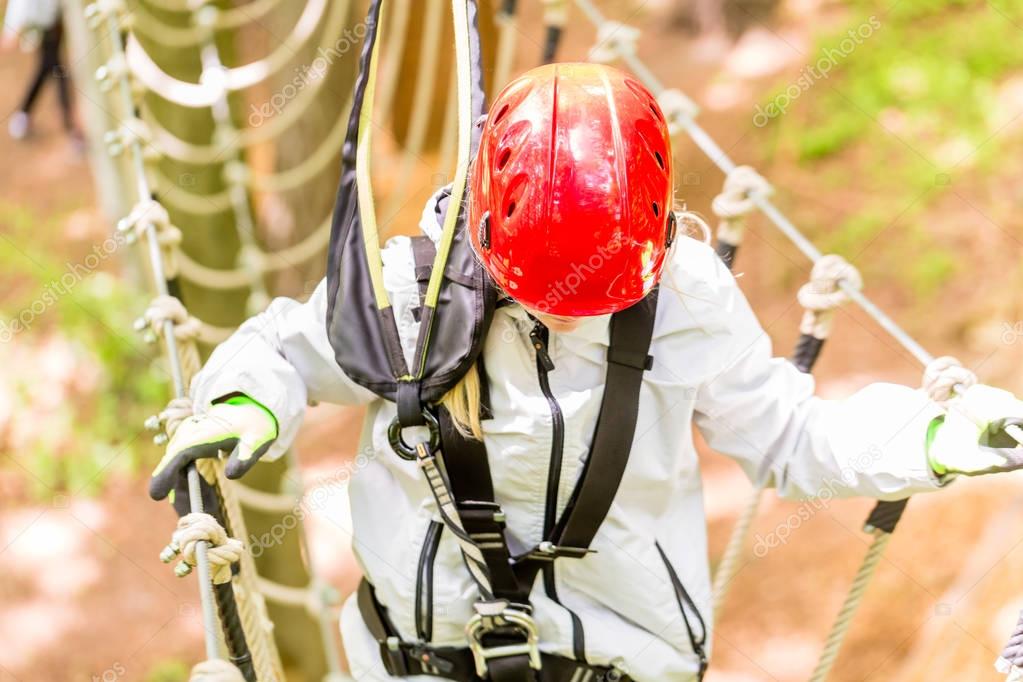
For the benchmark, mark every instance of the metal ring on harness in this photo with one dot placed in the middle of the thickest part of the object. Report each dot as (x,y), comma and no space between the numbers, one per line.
(403,449)
(507,618)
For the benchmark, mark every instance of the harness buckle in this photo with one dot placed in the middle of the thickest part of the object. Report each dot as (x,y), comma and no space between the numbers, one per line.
(502,618)
(548,551)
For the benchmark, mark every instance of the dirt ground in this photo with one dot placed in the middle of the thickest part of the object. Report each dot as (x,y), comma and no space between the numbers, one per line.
(83,595)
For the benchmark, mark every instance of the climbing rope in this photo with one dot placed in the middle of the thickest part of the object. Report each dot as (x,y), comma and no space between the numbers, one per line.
(555,16)
(618,42)
(732,207)
(212,84)
(215,671)
(820,297)
(507,34)
(223,551)
(204,16)
(943,379)
(419,119)
(277,181)
(166,309)
(144,23)
(831,279)
(105,16)
(201,537)
(390,69)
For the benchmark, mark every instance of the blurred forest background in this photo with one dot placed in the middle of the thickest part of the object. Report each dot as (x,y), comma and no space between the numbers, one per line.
(905,156)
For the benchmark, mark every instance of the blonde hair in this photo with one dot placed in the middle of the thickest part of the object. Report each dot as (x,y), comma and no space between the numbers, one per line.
(463,401)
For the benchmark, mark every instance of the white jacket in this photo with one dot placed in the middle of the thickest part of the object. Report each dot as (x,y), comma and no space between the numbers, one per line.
(713,368)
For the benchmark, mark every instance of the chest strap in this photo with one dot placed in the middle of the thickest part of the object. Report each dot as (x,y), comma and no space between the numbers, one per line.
(472,491)
(472,486)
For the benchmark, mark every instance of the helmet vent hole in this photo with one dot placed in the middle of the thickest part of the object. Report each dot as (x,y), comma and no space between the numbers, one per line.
(660,159)
(510,210)
(501,113)
(657,210)
(502,160)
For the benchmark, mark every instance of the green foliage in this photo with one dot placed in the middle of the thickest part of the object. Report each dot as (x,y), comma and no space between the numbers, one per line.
(910,100)
(935,62)
(79,380)
(168,671)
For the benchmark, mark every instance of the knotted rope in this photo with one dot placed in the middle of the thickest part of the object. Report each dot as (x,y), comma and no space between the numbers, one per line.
(223,551)
(843,620)
(824,293)
(163,309)
(677,108)
(150,213)
(737,200)
(614,40)
(215,670)
(944,377)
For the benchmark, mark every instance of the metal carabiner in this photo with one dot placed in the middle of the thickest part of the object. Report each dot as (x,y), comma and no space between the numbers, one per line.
(403,449)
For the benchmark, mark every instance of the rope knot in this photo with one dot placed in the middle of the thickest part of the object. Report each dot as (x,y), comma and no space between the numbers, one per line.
(823,293)
(742,187)
(143,214)
(215,670)
(110,74)
(97,12)
(677,108)
(614,40)
(133,131)
(944,377)
(165,309)
(555,12)
(236,173)
(222,551)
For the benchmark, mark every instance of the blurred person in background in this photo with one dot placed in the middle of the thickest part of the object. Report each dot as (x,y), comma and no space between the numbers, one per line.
(39,22)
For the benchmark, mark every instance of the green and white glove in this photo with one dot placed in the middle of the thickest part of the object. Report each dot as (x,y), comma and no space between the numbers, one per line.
(238,425)
(972,438)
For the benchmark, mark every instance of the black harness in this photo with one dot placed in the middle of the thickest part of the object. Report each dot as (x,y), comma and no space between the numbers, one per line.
(457,307)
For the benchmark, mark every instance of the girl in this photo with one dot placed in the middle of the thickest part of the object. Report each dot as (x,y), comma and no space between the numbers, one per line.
(569,214)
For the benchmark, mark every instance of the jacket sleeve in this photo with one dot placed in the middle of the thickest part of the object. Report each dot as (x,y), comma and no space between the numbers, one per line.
(282,359)
(762,411)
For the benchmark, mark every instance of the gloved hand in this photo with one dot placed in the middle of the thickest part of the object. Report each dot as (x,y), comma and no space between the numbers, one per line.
(971,439)
(238,424)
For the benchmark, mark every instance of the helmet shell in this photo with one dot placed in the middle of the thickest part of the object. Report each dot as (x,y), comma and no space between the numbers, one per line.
(571,190)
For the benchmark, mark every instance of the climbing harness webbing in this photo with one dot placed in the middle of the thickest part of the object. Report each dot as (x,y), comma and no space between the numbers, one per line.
(502,634)
(401,658)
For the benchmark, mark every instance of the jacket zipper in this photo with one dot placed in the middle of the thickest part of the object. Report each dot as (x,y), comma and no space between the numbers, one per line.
(424,582)
(539,337)
(697,641)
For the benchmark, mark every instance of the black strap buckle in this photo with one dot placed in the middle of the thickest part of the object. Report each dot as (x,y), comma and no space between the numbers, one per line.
(508,620)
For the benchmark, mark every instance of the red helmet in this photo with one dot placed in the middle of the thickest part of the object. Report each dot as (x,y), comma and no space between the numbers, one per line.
(570,202)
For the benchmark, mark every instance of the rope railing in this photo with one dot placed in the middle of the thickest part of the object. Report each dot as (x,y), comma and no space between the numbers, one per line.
(105,17)
(246,615)
(617,41)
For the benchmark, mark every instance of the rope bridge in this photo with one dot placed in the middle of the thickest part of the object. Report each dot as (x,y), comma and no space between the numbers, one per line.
(233,596)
